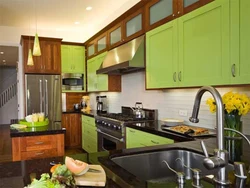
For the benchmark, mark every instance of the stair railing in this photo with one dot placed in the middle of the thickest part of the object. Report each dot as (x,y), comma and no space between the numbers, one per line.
(8,94)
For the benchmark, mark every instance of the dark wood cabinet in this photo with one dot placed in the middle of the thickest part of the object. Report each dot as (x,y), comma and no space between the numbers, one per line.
(50,60)
(97,46)
(72,123)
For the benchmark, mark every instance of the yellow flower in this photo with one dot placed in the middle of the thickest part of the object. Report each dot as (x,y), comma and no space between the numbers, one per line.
(233,103)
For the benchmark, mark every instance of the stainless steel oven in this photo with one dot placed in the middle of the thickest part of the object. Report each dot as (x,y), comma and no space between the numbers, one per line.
(72,81)
(111,128)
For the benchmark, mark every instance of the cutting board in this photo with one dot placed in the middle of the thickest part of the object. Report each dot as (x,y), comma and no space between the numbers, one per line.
(97,179)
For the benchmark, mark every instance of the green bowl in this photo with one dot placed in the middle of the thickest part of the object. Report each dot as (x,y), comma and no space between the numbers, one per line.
(34,124)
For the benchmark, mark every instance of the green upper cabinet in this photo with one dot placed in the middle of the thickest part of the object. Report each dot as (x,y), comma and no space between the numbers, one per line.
(96,82)
(204,45)
(192,50)
(161,55)
(73,59)
(240,42)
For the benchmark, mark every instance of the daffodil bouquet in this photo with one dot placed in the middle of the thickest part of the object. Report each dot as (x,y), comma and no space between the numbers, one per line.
(234,103)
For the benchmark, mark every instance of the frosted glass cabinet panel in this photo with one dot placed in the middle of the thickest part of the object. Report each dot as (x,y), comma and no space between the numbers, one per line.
(160,10)
(115,36)
(134,25)
(91,50)
(101,44)
(186,3)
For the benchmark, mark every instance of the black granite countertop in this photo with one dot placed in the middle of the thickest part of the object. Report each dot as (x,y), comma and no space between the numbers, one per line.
(116,176)
(51,128)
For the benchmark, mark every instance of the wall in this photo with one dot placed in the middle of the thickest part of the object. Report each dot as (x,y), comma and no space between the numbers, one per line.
(168,101)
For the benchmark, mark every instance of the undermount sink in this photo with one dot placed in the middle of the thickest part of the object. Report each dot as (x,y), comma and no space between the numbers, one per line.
(149,166)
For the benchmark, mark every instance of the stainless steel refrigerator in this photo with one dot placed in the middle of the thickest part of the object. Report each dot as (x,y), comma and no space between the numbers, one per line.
(43,94)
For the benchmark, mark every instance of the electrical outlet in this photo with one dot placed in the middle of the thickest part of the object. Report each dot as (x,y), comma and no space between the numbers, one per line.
(183,112)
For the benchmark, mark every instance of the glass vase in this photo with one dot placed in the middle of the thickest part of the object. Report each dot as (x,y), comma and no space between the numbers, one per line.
(233,141)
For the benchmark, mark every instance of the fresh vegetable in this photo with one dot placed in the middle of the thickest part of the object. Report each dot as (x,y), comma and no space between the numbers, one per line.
(52,169)
(60,176)
(75,166)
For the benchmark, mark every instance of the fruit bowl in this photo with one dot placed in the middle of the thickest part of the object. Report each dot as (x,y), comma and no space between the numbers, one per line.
(34,124)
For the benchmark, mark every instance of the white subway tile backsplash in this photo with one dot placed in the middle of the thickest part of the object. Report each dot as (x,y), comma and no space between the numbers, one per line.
(167,101)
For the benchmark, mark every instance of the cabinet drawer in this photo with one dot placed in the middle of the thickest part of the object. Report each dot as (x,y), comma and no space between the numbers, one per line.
(31,143)
(90,131)
(89,120)
(38,154)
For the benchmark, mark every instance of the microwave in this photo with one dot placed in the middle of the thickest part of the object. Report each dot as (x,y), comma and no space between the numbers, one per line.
(72,81)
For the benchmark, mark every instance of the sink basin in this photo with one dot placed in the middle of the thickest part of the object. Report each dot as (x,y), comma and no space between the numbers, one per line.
(149,166)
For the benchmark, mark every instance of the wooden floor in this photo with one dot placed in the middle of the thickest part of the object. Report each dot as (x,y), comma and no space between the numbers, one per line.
(6,148)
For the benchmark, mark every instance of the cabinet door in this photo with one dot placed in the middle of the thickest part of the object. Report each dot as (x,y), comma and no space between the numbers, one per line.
(51,57)
(115,36)
(66,125)
(204,48)
(66,57)
(240,42)
(102,42)
(26,45)
(78,59)
(159,12)
(102,79)
(134,25)
(91,68)
(161,56)
(91,49)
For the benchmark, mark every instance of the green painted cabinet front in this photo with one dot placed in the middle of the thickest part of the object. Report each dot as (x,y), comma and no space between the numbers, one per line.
(73,59)
(97,82)
(89,134)
(192,50)
(136,138)
(240,42)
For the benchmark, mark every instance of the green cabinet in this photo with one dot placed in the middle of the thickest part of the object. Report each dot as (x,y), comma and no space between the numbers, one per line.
(89,134)
(192,50)
(240,42)
(96,82)
(73,59)
(136,138)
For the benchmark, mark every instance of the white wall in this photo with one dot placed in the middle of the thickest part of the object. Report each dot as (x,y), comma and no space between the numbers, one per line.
(168,101)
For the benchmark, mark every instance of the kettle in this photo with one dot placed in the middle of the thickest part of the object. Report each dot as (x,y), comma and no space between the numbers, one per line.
(138,111)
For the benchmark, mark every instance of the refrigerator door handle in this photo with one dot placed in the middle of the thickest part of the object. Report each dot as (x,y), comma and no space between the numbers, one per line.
(46,98)
(54,105)
(41,95)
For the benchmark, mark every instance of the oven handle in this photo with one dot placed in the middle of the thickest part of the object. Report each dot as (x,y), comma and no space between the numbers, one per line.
(120,140)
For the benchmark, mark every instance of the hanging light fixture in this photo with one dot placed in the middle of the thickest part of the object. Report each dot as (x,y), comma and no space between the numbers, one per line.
(36,47)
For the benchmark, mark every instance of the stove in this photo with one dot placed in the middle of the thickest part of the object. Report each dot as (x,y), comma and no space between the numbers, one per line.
(111,127)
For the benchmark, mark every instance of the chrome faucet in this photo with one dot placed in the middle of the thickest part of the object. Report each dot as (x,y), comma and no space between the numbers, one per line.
(220,159)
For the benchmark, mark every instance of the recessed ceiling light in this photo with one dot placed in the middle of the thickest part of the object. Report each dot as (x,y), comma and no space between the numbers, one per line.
(77,23)
(88,8)
(4,60)
(1,52)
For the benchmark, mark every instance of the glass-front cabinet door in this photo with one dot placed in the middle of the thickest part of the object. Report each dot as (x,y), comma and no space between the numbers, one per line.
(115,36)
(91,49)
(134,25)
(102,43)
(186,6)
(159,12)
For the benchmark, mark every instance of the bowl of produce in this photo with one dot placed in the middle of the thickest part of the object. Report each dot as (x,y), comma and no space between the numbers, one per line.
(172,122)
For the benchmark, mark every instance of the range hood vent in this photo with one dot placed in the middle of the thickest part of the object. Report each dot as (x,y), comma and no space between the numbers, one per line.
(124,59)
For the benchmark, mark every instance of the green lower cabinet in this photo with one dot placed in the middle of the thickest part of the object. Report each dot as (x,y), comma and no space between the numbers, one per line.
(89,134)
(192,50)
(240,41)
(96,82)
(136,138)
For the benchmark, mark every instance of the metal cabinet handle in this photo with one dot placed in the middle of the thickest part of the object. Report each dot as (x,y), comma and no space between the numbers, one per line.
(39,143)
(179,76)
(233,70)
(39,153)
(174,76)
(178,12)
(154,142)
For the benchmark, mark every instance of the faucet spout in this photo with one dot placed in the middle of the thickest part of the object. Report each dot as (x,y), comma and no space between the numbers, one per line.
(219,112)
(220,160)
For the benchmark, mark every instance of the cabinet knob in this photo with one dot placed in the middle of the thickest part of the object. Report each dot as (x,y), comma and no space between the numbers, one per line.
(233,70)
(178,12)
(173,15)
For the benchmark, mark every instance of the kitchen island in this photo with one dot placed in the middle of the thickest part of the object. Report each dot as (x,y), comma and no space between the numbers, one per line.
(116,176)
(37,142)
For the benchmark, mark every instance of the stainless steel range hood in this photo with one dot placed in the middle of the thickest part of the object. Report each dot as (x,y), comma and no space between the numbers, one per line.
(126,58)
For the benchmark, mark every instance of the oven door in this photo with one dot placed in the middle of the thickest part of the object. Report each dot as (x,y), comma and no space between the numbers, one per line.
(108,142)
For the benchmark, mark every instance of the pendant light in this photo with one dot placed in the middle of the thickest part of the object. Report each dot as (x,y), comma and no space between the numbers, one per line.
(36,47)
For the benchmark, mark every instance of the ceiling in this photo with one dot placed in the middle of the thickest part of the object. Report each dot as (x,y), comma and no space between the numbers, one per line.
(50,17)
